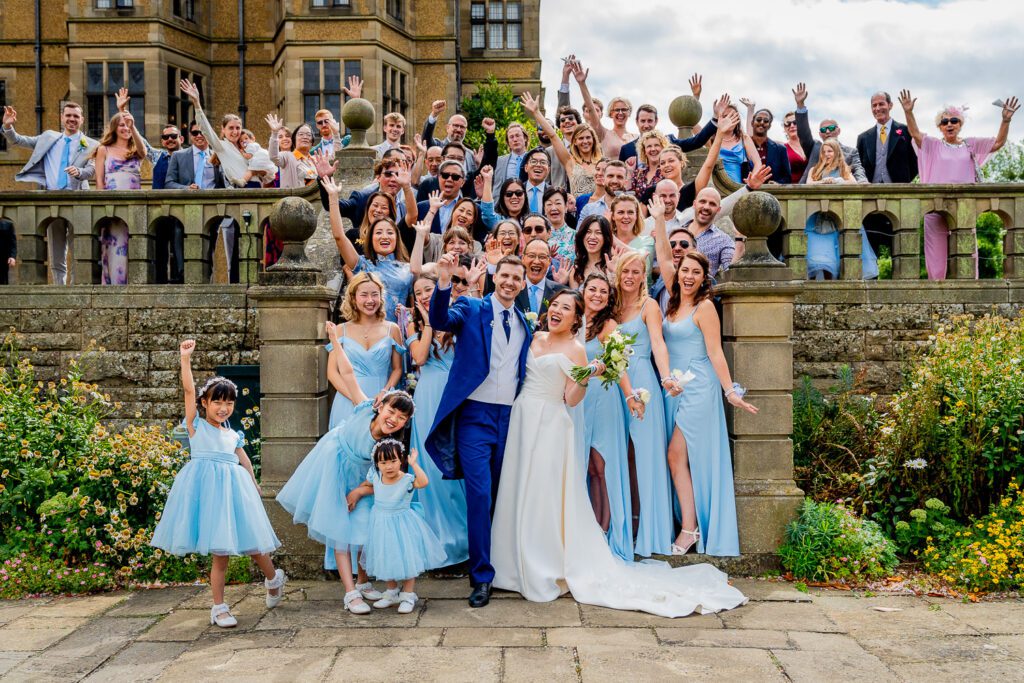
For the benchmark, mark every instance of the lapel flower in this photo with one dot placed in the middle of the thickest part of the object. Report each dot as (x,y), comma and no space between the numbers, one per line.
(82,143)
(531,318)
(899,131)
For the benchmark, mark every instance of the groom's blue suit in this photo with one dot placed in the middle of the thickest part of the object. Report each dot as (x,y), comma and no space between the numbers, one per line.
(467,439)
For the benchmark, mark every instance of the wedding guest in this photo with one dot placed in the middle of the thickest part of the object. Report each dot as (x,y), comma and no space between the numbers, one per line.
(261,169)
(615,181)
(950,159)
(233,164)
(594,247)
(391,178)
(581,154)
(540,290)
(536,225)
(563,237)
(794,150)
(698,452)
(627,227)
(456,151)
(737,152)
(8,249)
(60,160)
(619,109)
(639,315)
(828,129)
(647,174)
(394,129)
(456,129)
(647,120)
(718,247)
(604,419)
(296,165)
(171,141)
(537,168)
(510,165)
(771,153)
(598,196)
(886,149)
(191,168)
(511,202)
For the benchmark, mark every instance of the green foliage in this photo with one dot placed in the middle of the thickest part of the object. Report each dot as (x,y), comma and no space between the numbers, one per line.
(828,542)
(832,436)
(498,101)
(954,431)
(25,574)
(884,263)
(74,493)
(1006,165)
(922,525)
(990,245)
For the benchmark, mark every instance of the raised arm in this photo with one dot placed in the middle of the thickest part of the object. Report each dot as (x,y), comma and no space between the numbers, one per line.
(422,235)
(749,104)
(532,105)
(803,126)
(192,92)
(10,118)
(419,348)
(339,370)
(412,212)
(662,249)
(588,102)
(346,249)
(442,317)
(704,174)
(273,149)
(436,108)
(1010,108)
(188,384)
(908,102)
(421,479)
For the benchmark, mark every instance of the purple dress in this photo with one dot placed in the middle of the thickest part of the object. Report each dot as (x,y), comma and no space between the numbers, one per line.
(118,174)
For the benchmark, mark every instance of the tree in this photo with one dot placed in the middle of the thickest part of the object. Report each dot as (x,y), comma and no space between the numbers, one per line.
(1007,165)
(498,101)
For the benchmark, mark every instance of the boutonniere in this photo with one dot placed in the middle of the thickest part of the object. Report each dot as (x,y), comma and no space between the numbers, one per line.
(82,143)
(545,302)
(899,131)
(531,318)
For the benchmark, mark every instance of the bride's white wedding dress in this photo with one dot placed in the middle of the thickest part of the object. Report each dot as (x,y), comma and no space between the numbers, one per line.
(544,538)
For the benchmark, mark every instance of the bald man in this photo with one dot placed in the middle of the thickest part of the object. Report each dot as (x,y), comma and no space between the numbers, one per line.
(719,247)
(456,129)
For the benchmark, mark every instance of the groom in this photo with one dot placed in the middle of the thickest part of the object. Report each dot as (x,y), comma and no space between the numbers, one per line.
(467,439)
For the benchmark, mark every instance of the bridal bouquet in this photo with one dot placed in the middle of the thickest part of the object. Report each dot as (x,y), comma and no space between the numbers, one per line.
(615,353)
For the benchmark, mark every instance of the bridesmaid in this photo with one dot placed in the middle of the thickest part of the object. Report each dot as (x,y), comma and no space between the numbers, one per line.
(639,315)
(444,501)
(698,454)
(372,344)
(605,442)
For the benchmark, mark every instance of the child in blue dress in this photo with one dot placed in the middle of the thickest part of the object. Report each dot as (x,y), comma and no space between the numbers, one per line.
(214,506)
(401,545)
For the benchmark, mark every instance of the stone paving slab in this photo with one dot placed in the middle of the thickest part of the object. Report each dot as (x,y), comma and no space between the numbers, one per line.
(374,637)
(83,650)
(155,601)
(138,662)
(494,637)
(550,664)
(561,612)
(258,666)
(613,664)
(813,667)
(957,672)
(367,664)
(697,637)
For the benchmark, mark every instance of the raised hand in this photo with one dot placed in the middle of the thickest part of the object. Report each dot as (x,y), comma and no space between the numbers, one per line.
(656,207)
(122,99)
(436,202)
(727,122)
(487,173)
(414,455)
(492,250)
(190,90)
(631,162)
(489,125)
(476,272)
(422,228)
(128,119)
(562,272)
(720,105)
(579,73)
(529,102)
(332,188)
(1010,108)
(420,144)
(759,177)
(187,347)
(438,106)
(696,85)
(424,314)
(10,117)
(324,163)
(478,155)
(906,101)
(355,87)
(445,266)
(800,95)
(404,177)
(567,67)
(274,122)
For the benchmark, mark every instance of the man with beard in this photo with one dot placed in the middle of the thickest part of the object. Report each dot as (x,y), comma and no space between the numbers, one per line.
(711,241)
(615,174)
(456,151)
(773,155)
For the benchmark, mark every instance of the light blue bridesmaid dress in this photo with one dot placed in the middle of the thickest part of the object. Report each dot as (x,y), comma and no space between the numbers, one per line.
(700,416)
(650,448)
(371,366)
(442,501)
(401,544)
(605,414)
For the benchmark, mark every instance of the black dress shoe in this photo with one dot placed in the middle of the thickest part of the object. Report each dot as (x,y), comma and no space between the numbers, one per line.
(481,595)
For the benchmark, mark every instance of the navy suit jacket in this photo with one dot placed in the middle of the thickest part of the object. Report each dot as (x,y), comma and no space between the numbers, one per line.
(778,161)
(686,144)
(471,321)
(900,160)
(352,208)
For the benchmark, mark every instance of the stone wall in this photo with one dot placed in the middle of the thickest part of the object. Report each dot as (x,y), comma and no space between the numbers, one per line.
(875,327)
(134,332)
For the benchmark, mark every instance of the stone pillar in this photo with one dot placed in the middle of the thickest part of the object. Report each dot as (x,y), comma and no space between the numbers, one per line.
(293,305)
(963,241)
(757,328)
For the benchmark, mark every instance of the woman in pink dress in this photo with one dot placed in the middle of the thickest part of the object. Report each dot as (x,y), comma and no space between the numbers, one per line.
(950,159)
(118,167)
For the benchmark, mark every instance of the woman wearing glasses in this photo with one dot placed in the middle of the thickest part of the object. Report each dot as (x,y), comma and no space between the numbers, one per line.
(950,159)
(511,200)
(797,158)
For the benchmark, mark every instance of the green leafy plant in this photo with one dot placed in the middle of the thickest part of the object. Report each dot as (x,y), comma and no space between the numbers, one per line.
(922,525)
(498,101)
(828,542)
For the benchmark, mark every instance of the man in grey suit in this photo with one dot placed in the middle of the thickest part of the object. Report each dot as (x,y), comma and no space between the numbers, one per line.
(190,168)
(827,129)
(59,161)
(509,165)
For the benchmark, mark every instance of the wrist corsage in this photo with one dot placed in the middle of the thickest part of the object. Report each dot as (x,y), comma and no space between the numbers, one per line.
(736,389)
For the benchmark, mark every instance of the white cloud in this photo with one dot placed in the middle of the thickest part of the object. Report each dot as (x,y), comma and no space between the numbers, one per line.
(958,52)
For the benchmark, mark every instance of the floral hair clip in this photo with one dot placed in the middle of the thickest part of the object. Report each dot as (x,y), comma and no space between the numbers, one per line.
(215,380)
(387,442)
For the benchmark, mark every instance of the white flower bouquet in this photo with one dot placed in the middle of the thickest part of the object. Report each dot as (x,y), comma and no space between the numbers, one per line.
(615,354)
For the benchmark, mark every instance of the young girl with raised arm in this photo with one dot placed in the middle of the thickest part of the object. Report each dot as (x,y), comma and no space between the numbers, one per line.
(214,506)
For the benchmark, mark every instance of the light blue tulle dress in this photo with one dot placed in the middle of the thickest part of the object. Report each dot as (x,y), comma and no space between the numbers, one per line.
(650,448)
(315,493)
(443,502)
(700,415)
(213,507)
(401,544)
(823,254)
(605,414)
(371,367)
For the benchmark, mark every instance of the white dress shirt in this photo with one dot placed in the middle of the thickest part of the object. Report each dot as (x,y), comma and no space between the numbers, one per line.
(499,387)
(52,166)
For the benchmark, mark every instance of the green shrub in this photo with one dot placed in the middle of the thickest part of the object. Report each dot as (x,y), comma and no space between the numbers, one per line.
(832,437)
(25,574)
(922,526)
(828,542)
(954,431)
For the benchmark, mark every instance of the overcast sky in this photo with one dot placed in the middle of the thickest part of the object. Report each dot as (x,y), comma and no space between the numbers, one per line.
(957,52)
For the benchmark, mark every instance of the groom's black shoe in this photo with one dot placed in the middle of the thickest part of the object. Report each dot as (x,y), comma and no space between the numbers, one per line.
(481,595)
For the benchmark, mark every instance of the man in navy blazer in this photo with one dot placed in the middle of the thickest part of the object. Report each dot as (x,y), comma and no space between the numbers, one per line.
(467,439)
(647,120)
(773,155)
(885,149)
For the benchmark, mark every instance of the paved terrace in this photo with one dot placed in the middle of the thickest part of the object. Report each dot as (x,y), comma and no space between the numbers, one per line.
(781,635)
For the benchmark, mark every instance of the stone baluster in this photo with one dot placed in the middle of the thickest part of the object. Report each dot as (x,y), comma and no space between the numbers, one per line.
(851,267)
(757,296)
(906,243)
(963,244)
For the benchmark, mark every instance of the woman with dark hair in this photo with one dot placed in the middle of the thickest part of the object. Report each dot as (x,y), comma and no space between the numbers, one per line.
(316,493)
(511,202)
(506,239)
(295,163)
(594,242)
(698,451)
(604,419)
(444,501)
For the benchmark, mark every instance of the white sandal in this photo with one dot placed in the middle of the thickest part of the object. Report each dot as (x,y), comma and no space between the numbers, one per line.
(277,583)
(368,591)
(356,607)
(221,616)
(407,602)
(682,550)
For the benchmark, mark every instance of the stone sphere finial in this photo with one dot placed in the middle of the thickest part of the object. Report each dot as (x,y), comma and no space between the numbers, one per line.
(685,111)
(757,216)
(358,116)
(293,221)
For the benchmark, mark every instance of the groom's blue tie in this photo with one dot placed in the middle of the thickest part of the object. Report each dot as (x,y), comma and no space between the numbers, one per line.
(506,326)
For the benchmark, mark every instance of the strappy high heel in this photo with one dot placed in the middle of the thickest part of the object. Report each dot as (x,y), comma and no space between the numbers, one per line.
(683,549)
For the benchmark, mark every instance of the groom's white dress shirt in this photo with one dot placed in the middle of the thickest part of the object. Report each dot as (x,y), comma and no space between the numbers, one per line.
(500,385)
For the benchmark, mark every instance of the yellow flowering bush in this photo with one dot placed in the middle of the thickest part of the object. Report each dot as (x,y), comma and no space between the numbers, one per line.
(954,431)
(73,494)
(987,554)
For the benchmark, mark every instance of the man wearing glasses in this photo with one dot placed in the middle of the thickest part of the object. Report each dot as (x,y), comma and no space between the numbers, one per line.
(827,130)
(170,140)
(190,168)
(773,155)
(536,167)
(451,177)
(457,128)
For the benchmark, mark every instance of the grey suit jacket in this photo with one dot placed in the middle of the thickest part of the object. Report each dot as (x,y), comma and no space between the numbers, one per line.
(812,149)
(35,170)
(181,171)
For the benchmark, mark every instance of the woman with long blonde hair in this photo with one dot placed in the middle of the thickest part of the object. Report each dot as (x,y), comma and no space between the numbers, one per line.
(579,156)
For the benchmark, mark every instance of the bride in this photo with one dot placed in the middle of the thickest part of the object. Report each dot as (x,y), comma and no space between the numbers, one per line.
(544,539)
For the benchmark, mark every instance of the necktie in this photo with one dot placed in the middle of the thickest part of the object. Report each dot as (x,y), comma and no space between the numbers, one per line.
(535,303)
(201,171)
(506,326)
(65,160)
(881,134)
(535,199)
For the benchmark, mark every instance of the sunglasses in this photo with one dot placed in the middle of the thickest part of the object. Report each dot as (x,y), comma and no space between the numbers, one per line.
(451,176)
(461,281)
(953,120)
(515,193)
(323,122)
(828,129)
(788,124)
(169,137)
(534,230)
(194,133)
(761,119)
(685,244)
